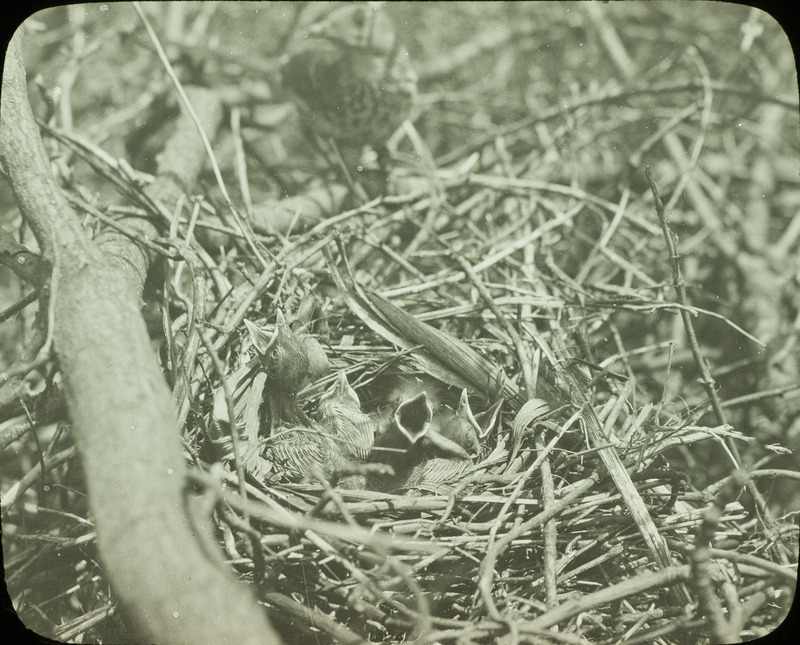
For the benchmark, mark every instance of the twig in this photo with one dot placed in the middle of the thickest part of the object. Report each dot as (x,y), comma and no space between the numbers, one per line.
(548,486)
(18,306)
(619,591)
(307,617)
(14,494)
(245,228)
(234,431)
(611,98)
(241,161)
(723,631)
(609,455)
(708,381)
(494,551)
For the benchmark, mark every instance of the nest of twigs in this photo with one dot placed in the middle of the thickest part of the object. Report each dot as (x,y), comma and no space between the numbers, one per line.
(576,458)
(631,487)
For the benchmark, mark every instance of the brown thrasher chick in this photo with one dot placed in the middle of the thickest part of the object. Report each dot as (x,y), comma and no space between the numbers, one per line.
(465,428)
(398,444)
(284,357)
(351,79)
(296,453)
(444,435)
(457,431)
(409,440)
(439,473)
(340,414)
(331,447)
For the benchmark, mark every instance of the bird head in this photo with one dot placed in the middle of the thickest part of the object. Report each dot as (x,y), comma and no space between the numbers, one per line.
(282,354)
(413,417)
(341,392)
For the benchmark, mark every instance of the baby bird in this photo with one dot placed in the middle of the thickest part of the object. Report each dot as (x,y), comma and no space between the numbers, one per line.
(438,473)
(295,453)
(398,444)
(466,429)
(331,448)
(280,353)
(461,427)
(340,414)
(286,362)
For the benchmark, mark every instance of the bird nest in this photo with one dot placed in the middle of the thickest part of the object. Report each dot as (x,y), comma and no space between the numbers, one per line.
(518,273)
(570,511)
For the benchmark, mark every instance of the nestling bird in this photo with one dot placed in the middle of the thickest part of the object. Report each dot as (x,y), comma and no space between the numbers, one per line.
(281,353)
(467,429)
(297,452)
(447,427)
(438,473)
(341,416)
(409,440)
(332,447)
(352,80)
(398,444)
(284,357)
(461,427)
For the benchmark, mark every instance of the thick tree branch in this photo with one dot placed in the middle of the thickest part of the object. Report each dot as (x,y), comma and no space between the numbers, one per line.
(123,419)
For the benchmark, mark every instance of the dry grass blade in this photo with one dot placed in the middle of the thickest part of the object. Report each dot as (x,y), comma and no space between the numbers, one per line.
(443,356)
(451,352)
(569,373)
